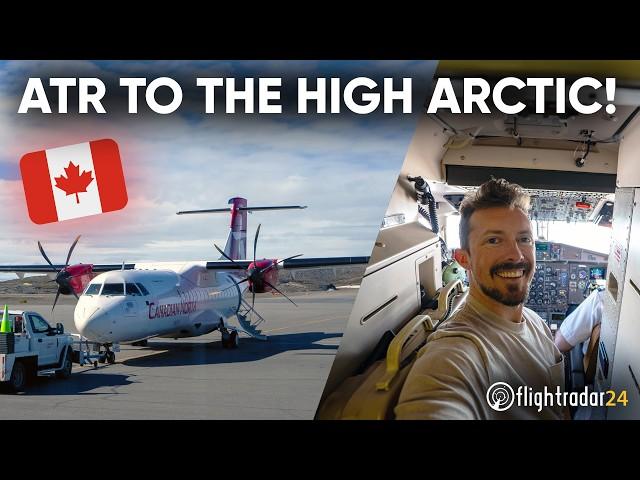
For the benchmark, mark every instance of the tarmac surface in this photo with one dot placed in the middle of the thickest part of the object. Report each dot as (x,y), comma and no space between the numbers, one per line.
(195,378)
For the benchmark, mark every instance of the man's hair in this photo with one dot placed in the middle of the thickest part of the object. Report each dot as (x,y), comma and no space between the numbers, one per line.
(493,193)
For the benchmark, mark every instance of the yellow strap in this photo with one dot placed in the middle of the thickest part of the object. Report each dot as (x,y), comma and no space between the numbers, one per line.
(394,352)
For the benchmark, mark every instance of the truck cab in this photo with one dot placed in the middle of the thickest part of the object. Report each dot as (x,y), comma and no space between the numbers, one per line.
(33,348)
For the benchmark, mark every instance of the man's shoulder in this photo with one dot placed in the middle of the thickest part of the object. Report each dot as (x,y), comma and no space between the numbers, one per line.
(532,316)
(537,321)
(463,331)
(459,321)
(451,346)
(449,357)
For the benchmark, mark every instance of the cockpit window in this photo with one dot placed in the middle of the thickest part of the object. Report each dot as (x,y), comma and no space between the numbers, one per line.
(113,289)
(144,291)
(132,289)
(93,289)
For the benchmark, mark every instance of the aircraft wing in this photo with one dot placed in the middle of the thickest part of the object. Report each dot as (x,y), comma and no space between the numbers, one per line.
(324,262)
(225,265)
(213,265)
(292,263)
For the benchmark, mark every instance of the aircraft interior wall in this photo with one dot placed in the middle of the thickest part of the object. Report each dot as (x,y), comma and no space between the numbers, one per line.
(619,359)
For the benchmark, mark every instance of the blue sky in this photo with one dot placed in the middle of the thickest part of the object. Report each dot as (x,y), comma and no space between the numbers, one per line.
(342,166)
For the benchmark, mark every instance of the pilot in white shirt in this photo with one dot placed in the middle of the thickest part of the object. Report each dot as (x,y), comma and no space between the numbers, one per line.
(577,327)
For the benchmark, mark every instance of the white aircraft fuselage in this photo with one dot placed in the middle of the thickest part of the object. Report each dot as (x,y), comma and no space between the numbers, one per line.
(171,300)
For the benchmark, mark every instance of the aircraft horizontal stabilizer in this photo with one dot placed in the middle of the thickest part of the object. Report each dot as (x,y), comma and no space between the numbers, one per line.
(243,209)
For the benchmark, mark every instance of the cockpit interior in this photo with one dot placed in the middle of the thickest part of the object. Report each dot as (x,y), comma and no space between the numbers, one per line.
(580,173)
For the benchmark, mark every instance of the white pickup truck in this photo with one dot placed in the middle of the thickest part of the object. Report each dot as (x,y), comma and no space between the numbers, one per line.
(34,348)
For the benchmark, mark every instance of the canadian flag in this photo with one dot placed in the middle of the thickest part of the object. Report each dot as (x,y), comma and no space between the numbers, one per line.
(73,181)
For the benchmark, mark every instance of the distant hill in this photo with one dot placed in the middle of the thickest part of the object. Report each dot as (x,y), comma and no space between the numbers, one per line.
(28,286)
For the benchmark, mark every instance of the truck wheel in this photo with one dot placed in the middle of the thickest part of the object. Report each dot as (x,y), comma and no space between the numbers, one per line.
(66,368)
(18,377)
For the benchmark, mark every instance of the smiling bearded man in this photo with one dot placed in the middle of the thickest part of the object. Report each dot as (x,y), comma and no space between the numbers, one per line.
(493,338)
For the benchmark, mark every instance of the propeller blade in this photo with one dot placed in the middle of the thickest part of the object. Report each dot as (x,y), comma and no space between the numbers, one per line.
(224,254)
(45,257)
(255,243)
(235,284)
(266,269)
(73,245)
(273,286)
(280,261)
(253,298)
(56,300)
(289,258)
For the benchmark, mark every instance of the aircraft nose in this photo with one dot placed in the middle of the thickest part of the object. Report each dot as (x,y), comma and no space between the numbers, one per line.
(94,323)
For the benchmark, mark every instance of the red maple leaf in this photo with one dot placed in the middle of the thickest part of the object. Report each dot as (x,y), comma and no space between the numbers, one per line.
(74,182)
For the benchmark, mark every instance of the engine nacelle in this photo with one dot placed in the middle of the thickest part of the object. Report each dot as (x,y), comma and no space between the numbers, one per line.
(79,276)
(258,282)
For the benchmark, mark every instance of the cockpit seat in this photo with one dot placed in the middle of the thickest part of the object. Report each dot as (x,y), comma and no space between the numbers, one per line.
(373,394)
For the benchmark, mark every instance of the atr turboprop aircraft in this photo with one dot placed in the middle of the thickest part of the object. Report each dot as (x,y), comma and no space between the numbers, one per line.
(130,303)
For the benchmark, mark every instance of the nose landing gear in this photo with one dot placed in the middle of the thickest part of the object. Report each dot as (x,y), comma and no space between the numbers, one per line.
(107,356)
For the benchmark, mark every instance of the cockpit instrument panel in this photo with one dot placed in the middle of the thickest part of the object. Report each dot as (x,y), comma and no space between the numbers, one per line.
(563,277)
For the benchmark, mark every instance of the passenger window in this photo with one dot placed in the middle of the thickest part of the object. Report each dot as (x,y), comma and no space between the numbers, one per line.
(132,290)
(144,291)
(93,289)
(39,324)
(113,289)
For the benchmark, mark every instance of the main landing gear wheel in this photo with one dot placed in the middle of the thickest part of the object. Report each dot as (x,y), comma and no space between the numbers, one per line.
(234,339)
(111,357)
(230,339)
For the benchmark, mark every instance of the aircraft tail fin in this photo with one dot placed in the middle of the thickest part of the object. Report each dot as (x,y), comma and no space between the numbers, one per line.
(236,246)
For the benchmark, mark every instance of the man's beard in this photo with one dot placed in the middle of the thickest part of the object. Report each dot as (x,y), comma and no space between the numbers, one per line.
(514,296)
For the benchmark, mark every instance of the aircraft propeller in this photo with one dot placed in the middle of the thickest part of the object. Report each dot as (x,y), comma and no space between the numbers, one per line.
(63,277)
(256,275)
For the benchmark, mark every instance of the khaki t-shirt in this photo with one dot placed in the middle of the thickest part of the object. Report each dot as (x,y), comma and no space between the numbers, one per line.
(473,350)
